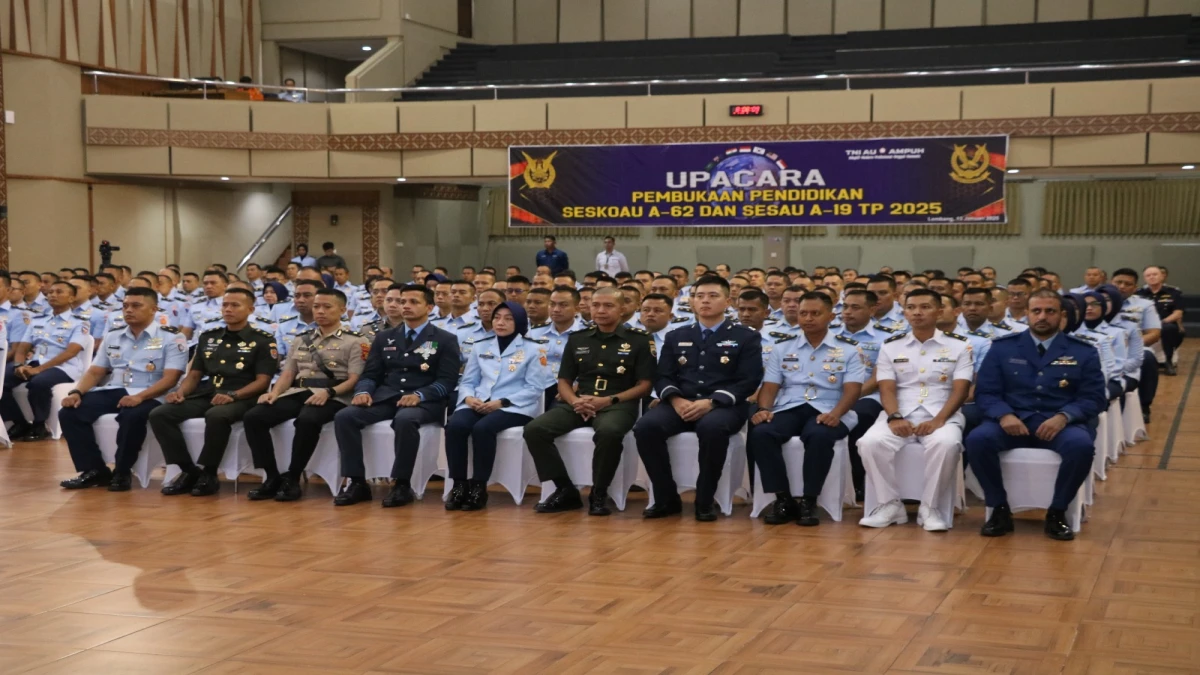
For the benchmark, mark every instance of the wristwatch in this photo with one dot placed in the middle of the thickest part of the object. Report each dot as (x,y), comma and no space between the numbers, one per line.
(332,393)
(615,399)
(74,391)
(895,416)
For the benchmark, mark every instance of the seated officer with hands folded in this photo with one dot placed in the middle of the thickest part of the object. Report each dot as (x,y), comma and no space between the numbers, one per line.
(134,368)
(505,376)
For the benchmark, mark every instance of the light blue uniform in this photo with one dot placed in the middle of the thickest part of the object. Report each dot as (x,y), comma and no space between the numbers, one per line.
(1135,350)
(520,374)
(453,323)
(136,364)
(201,316)
(50,336)
(282,309)
(869,339)
(468,335)
(351,292)
(1111,342)
(359,320)
(556,341)
(815,376)
(39,306)
(290,328)
(16,321)
(894,319)
(116,319)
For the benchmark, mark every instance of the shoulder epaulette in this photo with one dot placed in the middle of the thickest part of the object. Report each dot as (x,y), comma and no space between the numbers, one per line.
(1085,339)
(213,330)
(1007,336)
(1001,325)
(896,337)
(169,329)
(638,331)
(777,334)
(464,326)
(540,325)
(479,339)
(257,329)
(884,328)
(352,333)
(682,319)
(540,341)
(288,318)
(786,338)
(956,336)
(978,334)
(113,330)
(843,338)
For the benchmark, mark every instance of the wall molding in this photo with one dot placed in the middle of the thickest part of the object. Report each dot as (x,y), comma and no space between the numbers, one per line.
(3,178)
(1090,125)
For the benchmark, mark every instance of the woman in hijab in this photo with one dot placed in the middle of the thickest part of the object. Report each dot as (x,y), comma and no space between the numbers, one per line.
(501,387)
(1135,351)
(1094,324)
(1074,311)
(273,293)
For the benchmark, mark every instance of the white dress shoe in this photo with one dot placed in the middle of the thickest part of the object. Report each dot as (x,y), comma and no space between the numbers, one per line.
(891,513)
(932,522)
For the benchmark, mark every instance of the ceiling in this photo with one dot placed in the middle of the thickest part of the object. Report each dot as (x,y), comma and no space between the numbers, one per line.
(342,50)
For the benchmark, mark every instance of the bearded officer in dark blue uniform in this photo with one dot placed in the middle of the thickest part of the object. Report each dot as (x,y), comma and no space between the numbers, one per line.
(410,374)
(706,371)
(1039,388)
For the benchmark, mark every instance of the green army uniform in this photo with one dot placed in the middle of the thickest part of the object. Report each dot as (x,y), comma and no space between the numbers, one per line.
(229,360)
(602,364)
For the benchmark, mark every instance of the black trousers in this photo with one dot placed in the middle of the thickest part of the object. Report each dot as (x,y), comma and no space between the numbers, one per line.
(218,426)
(1172,337)
(481,430)
(41,391)
(81,439)
(309,420)
(611,425)
(1148,384)
(713,432)
(769,438)
(350,421)
(868,410)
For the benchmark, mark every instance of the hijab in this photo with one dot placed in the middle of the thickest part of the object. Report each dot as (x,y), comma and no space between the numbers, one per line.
(1072,309)
(1097,295)
(520,323)
(1115,299)
(281,291)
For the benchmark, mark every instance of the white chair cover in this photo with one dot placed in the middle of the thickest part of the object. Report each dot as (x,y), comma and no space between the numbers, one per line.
(4,440)
(684,450)
(910,474)
(379,453)
(837,491)
(514,468)
(149,459)
(1116,432)
(58,393)
(1135,427)
(1029,475)
(1100,463)
(236,460)
(576,449)
(324,462)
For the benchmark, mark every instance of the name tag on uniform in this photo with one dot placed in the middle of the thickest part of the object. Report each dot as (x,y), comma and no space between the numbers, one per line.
(685,344)
(487,355)
(1065,361)
(943,360)
(900,359)
(580,351)
(389,349)
(1019,362)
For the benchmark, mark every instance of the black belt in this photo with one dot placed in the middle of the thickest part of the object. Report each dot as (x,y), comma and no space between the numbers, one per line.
(317,382)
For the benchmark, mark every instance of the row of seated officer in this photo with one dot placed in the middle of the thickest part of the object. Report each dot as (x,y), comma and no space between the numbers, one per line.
(1037,388)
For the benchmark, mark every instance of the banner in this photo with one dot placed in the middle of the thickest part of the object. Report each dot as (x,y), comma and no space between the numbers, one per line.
(888,181)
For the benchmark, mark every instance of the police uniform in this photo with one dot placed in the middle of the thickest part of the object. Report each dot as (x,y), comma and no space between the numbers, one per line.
(228,360)
(49,336)
(1167,301)
(1017,379)
(516,376)
(603,364)
(722,364)
(132,364)
(317,361)
(924,374)
(811,380)
(868,407)
(402,361)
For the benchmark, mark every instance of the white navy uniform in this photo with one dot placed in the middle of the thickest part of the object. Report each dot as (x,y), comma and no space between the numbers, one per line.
(924,373)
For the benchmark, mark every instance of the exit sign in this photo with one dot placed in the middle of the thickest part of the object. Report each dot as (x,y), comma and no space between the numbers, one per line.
(745,111)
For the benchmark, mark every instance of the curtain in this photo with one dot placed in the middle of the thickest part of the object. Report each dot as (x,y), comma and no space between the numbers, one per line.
(1122,208)
(1012,228)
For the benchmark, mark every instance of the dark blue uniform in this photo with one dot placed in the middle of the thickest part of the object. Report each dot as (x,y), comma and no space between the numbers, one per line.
(1015,379)
(725,367)
(426,365)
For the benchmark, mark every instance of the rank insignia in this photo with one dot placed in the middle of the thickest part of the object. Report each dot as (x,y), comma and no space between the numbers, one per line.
(424,367)
(683,360)
(724,359)
(1063,384)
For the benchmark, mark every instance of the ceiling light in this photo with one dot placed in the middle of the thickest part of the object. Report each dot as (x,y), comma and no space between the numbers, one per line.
(1014,171)
(401,180)
(366,48)
(224,177)
(1188,167)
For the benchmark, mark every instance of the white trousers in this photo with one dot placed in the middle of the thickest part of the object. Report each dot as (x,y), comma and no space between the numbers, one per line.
(879,446)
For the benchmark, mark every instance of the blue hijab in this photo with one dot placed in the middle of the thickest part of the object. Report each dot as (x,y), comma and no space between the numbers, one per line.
(281,291)
(520,322)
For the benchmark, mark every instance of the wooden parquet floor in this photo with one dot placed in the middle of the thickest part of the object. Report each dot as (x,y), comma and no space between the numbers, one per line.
(135,583)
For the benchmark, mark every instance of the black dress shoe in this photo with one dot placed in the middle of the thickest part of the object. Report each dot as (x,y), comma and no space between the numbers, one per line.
(664,507)
(598,503)
(268,489)
(1000,524)
(357,490)
(1145,416)
(207,485)
(458,493)
(19,429)
(1171,369)
(89,479)
(37,432)
(1057,527)
(121,482)
(476,498)
(289,489)
(806,512)
(859,496)
(401,495)
(562,499)
(783,510)
(706,512)
(182,484)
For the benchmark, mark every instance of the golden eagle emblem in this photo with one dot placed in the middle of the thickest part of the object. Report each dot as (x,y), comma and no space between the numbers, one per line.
(970,169)
(539,173)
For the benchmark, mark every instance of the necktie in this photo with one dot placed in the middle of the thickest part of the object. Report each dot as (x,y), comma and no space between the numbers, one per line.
(704,335)
(1041,349)
(409,336)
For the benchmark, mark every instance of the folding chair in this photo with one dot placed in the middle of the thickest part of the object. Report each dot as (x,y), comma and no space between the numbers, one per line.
(149,459)
(1029,475)
(684,450)
(837,491)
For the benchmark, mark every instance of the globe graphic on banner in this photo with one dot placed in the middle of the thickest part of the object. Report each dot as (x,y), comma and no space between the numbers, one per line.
(746,161)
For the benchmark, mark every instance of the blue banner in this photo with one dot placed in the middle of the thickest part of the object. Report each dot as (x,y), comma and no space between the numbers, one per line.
(886,181)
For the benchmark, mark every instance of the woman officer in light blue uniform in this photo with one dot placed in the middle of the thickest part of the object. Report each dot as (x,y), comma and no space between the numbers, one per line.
(504,380)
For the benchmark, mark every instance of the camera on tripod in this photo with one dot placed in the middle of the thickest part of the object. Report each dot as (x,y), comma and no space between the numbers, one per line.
(106,251)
